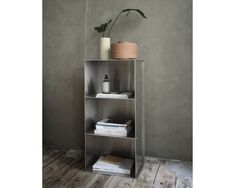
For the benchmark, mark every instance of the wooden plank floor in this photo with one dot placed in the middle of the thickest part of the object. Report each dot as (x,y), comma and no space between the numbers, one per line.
(65,169)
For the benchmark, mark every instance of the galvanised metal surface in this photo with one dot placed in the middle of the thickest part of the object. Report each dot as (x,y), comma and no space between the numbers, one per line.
(139,116)
(124,75)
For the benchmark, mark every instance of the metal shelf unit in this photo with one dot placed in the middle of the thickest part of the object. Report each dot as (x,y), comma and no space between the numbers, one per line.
(124,75)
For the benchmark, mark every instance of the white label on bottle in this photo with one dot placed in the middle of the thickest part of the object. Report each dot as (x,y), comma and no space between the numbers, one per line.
(106,87)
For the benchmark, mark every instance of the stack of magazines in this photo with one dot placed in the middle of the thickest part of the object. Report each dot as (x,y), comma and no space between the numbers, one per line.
(113,127)
(112,164)
(115,95)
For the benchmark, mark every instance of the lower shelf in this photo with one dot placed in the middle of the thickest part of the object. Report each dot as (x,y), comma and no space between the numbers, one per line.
(98,145)
(91,161)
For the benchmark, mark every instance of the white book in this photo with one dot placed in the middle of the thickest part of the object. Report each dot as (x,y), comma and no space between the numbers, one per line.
(110,133)
(118,171)
(101,127)
(123,95)
(111,128)
(113,164)
(114,122)
(115,131)
(105,165)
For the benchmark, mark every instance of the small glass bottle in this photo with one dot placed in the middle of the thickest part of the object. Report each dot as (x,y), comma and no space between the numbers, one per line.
(106,85)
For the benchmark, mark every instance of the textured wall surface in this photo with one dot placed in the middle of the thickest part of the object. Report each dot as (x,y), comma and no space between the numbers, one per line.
(165,43)
(63,54)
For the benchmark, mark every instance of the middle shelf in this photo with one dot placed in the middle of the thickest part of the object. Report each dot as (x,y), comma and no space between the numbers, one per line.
(130,136)
(114,109)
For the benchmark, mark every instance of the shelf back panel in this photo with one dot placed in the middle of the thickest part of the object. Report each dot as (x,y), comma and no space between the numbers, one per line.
(101,146)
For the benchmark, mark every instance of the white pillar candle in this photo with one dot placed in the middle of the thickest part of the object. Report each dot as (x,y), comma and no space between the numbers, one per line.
(104,48)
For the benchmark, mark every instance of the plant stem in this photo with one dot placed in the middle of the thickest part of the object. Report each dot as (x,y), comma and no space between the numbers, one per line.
(114,23)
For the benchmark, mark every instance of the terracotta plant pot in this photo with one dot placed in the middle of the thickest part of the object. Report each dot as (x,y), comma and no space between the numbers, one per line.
(124,50)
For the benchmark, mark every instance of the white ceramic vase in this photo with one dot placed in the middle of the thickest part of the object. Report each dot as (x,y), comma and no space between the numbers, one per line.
(104,48)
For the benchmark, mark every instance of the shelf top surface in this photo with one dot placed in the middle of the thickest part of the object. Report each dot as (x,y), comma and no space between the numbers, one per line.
(102,98)
(113,60)
(91,133)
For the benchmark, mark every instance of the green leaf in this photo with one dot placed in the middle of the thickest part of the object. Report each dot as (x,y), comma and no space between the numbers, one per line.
(141,13)
(137,10)
(102,27)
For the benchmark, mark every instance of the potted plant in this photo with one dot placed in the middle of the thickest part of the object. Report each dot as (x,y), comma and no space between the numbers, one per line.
(105,39)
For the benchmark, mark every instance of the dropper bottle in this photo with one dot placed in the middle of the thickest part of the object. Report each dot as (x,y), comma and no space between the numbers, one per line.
(106,85)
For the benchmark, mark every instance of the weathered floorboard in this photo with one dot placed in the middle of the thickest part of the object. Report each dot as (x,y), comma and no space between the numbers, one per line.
(81,179)
(45,151)
(66,170)
(51,155)
(118,181)
(164,178)
(98,180)
(148,173)
(140,184)
(108,182)
(55,166)
(149,170)
(183,182)
(65,174)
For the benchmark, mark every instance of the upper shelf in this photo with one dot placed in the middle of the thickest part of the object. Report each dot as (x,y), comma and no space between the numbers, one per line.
(114,60)
(121,75)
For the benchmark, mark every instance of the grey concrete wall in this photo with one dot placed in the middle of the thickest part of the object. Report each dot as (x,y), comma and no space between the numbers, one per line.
(63,54)
(165,43)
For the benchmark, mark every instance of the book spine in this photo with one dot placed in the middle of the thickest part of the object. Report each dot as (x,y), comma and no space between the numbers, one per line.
(111,128)
(111,124)
(110,133)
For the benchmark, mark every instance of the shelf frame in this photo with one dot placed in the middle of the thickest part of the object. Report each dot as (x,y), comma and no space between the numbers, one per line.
(134,109)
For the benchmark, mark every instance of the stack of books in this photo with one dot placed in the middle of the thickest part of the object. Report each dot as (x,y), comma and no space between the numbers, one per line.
(113,127)
(115,95)
(112,164)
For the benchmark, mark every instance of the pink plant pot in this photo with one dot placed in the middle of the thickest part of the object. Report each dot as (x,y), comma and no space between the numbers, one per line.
(124,50)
